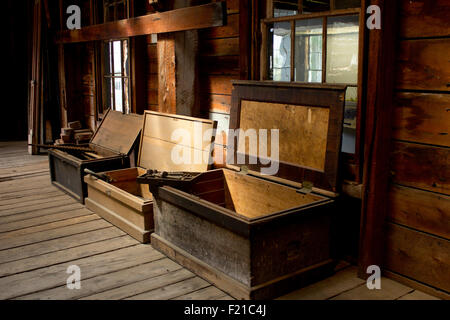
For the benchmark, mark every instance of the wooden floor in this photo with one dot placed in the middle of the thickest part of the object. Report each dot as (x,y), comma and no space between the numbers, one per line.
(43,232)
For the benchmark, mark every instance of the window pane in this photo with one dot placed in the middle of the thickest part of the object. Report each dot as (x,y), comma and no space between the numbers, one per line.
(117,53)
(342,49)
(280,51)
(107,93)
(285,8)
(118,92)
(308,50)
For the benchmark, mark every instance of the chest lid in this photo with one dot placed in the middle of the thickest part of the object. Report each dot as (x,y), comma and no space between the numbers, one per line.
(176,143)
(118,132)
(302,139)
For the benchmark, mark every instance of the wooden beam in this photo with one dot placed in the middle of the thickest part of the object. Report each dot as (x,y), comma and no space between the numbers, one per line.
(197,17)
(379,106)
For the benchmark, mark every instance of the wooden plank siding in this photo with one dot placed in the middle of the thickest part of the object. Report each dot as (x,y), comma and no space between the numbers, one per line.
(219,51)
(418,226)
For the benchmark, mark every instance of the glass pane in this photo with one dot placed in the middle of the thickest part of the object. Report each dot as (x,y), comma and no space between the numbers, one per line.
(349,134)
(117,55)
(107,93)
(280,51)
(285,8)
(342,49)
(118,94)
(308,50)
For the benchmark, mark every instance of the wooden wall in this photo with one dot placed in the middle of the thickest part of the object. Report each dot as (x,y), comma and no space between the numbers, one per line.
(418,228)
(218,65)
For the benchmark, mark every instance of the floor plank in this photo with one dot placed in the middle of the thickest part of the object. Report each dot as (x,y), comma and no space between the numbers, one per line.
(417,295)
(60,207)
(53,234)
(55,245)
(343,280)
(46,278)
(173,290)
(390,290)
(48,226)
(100,287)
(208,293)
(40,204)
(28,199)
(66,255)
(145,285)
(26,223)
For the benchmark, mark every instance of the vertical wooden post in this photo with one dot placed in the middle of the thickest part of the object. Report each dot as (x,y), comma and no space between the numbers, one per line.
(380,84)
(177,59)
(35,83)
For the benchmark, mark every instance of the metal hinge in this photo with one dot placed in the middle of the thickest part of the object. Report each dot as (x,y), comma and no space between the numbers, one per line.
(307,187)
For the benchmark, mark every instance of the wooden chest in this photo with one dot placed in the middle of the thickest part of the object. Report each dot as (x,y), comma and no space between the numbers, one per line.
(252,235)
(113,143)
(129,205)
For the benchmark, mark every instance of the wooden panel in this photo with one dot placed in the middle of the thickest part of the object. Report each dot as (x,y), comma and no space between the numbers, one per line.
(220,47)
(254,198)
(422,118)
(162,127)
(419,256)
(157,142)
(424,18)
(421,210)
(221,65)
(303,131)
(216,103)
(421,166)
(121,140)
(216,84)
(231,29)
(209,15)
(424,65)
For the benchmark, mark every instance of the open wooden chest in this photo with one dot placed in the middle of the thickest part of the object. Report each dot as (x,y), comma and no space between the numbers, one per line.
(128,204)
(257,236)
(112,144)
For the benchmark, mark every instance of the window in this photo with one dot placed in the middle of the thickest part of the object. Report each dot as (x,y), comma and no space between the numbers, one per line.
(115,62)
(317,47)
(116,76)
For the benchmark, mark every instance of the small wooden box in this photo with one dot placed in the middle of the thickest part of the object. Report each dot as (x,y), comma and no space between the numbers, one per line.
(128,204)
(114,141)
(255,236)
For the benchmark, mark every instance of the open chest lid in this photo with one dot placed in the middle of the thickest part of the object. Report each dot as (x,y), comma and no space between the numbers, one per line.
(309,120)
(172,142)
(118,132)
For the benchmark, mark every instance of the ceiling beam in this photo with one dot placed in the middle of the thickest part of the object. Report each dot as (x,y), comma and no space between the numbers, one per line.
(189,18)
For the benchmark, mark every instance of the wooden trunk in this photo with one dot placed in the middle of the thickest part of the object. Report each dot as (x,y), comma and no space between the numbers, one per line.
(257,236)
(113,146)
(124,202)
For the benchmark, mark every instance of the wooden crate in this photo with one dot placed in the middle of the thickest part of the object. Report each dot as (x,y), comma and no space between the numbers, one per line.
(123,201)
(255,236)
(114,141)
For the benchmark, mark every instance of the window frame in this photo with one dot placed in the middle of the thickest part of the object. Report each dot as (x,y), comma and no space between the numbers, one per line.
(352,162)
(122,76)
